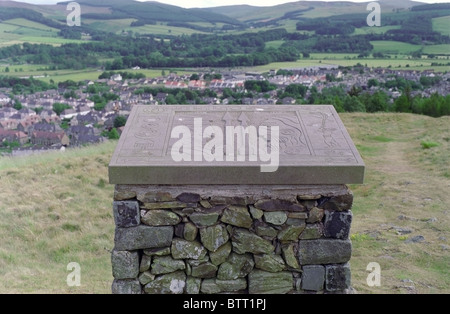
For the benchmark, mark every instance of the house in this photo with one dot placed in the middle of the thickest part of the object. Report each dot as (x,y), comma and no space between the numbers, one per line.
(13,136)
(52,120)
(9,112)
(25,112)
(197,85)
(41,138)
(48,114)
(174,85)
(68,114)
(83,110)
(26,125)
(289,101)
(117,77)
(4,99)
(161,97)
(45,127)
(9,124)
(87,102)
(89,139)
(90,118)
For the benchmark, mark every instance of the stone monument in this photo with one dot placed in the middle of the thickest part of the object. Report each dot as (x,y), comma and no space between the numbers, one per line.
(218,199)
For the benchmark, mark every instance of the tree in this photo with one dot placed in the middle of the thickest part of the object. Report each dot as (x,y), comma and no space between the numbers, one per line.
(352,104)
(171,100)
(38,110)
(373,82)
(17,105)
(378,102)
(7,70)
(120,121)
(113,134)
(59,108)
(402,104)
(195,77)
(355,91)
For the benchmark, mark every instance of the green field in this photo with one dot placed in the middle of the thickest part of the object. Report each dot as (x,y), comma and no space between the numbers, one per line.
(374,30)
(115,26)
(274,44)
(437,49)
(442,25)
(75,75)
(18,31)
(163,30)
(402,63)
(30,24)
(394,47)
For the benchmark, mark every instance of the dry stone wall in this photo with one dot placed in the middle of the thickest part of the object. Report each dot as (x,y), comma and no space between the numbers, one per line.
(231,239)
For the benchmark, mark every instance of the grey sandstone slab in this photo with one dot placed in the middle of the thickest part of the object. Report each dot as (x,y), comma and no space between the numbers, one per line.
(126,286)
(313,277)
(125,264)
(315,148)
(142,237)
(126,214)
(324,251)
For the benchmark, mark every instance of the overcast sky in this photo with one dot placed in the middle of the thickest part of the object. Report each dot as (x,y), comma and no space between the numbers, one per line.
(215,3)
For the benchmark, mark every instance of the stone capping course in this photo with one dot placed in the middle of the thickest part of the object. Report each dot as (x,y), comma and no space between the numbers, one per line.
(315,147)
(232,239)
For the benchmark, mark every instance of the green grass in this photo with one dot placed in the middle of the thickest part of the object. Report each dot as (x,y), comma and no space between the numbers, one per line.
(18,31)
(442,25)
(343,60)
(429,145)
(56,209)
(394,47)
(333,56)
(274,44)
(374,30)
(437,49)
(30,24)
(163,30)
(381,138)
(110,25)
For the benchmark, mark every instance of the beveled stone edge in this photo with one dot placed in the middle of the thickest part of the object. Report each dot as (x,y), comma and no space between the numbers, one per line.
(301,175)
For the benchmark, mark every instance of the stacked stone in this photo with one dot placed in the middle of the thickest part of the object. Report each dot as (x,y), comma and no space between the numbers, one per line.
(207,240)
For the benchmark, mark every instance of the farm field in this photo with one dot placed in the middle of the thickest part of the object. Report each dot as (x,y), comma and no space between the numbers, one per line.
(374,30)
(116,26)
(163,30)
(38,71)
(437,49)
(323,59)
(394,47)
(442,25)
(18,31)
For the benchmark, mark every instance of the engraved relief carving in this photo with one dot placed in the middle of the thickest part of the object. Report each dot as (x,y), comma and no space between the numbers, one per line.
(328,138)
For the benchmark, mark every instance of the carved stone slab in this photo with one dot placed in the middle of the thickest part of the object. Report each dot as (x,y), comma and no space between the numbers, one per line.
(310,142)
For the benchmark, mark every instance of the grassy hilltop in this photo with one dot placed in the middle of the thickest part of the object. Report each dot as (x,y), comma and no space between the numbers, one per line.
(56,209)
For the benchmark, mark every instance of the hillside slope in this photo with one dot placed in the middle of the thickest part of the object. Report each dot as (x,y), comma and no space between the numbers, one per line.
(309,9)
(56,209)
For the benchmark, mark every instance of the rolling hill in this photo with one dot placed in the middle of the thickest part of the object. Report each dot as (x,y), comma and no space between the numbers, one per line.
(307,9)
